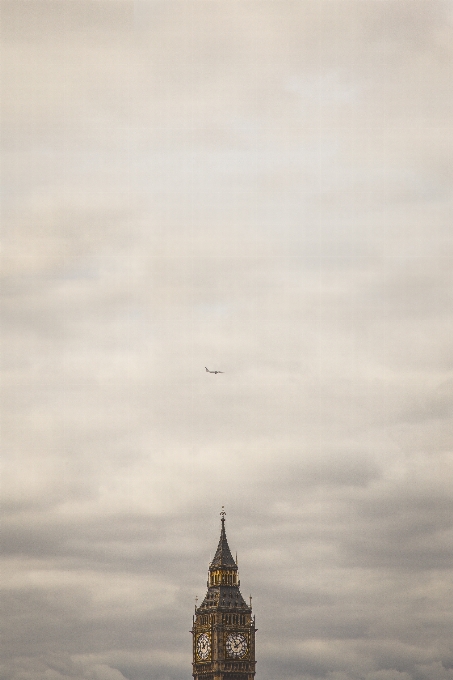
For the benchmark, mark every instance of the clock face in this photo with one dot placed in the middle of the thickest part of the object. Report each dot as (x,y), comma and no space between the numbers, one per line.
(236,645)
(203,647)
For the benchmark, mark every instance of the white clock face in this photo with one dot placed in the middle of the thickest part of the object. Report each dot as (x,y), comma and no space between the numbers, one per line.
(236,645)
(203,647)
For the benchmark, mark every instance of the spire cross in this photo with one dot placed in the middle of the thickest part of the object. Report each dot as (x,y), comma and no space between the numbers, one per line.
(223,514)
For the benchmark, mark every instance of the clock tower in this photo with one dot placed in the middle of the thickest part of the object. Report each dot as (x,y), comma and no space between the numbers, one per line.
(223,626)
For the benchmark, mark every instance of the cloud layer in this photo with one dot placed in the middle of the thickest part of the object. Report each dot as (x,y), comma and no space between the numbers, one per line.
(262,188)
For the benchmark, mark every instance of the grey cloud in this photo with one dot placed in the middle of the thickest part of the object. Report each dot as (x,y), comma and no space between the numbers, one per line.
(262,188)
(61,667)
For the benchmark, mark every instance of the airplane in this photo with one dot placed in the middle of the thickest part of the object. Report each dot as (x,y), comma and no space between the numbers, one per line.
(208,371)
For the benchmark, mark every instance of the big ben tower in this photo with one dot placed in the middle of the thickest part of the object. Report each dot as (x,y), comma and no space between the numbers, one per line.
(223,626)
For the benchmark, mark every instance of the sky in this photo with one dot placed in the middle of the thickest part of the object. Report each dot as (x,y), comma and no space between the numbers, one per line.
(263,188)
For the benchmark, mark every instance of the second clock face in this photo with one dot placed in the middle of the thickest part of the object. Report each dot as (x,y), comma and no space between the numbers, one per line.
(236,645)
(203,647)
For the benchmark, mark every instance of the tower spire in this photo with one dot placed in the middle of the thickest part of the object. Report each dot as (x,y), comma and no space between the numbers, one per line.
(223,557)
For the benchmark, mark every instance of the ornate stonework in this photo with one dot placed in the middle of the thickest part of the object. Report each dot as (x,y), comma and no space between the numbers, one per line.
(223,626)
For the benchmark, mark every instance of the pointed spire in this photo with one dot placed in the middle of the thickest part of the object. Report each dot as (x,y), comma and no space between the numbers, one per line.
(223,556)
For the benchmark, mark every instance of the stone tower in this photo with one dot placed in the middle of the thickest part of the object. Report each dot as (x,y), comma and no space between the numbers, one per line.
(223,626)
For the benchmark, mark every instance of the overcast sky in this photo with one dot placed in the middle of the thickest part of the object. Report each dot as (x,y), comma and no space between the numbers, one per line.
(263,188)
